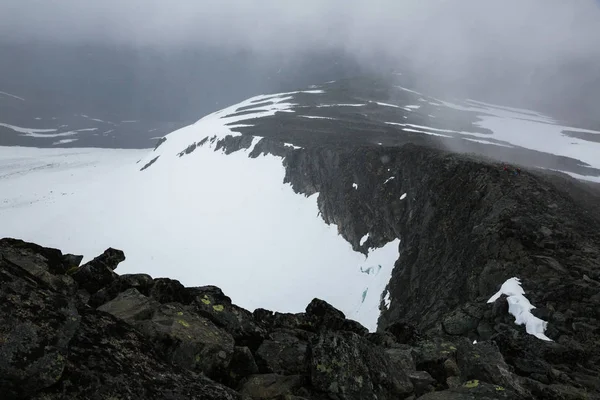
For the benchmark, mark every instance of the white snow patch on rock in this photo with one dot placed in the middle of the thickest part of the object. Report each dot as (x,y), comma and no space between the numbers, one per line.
(520,307)
(386,299)
(364,239)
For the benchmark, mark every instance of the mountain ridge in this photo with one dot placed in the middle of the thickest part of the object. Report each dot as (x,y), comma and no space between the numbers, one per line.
(457,224)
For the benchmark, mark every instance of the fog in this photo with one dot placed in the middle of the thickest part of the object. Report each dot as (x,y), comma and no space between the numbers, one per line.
(515,48)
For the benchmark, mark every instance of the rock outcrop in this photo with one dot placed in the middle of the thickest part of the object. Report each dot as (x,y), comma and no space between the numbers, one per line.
(135,337)
(465,226)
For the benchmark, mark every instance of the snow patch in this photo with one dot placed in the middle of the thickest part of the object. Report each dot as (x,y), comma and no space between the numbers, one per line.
(386,299)
(64,141)
(488,142)
(387,104)
(364,239)
(427,133)
(26,130)
(255,141)
(520,307)
(220,124)
(590,178)
(355,186)
(340,105)
(403,196)
(389,179)
(368,308)
(315,117)
(408,90)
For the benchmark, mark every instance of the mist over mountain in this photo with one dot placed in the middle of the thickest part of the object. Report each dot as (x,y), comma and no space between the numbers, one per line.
(152,62)
(425,175)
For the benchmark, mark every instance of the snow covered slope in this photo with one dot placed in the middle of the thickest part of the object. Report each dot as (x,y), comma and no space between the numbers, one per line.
(204,213)
(206,218)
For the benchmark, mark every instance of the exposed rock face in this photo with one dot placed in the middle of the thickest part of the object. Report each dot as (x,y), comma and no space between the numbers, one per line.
(465,226)
(140,343)
(98,273)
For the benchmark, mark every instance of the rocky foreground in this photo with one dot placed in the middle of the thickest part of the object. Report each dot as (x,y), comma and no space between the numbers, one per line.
(70,331)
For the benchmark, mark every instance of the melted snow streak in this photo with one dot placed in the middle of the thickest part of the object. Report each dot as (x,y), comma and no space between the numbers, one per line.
(27,131)
(316,117)
(387,104)
(12,95)
(64,141)
(520,307)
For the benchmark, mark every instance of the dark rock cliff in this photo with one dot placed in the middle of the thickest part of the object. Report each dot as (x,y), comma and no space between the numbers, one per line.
(466,225)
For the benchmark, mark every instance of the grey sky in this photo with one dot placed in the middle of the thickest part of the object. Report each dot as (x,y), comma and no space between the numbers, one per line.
(451,40)
(535,29)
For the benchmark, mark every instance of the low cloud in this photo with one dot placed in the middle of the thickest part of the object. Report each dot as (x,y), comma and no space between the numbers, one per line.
(453,42)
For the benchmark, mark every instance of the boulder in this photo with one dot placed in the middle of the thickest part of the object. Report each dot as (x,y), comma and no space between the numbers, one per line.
(165,290)
(320,308)
(404,332)
(484,362)
(46,266)
(472,390)
(131,306)
(110,359)
(242,365)
(344,364)
(284,353)
(52,260)
(98,273)
(323,315)
(111,258)
(402,357)
(141,282)
(188,340)
(422,382)
(37,323)
(271,386)
(71,261)
(211,303)
(275,320)
(431,356)
(383,339)
(460,322)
